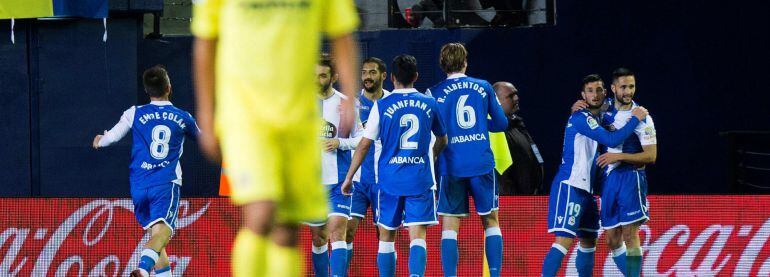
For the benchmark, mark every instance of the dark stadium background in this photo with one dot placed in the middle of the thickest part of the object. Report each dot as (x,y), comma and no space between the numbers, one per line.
(701,70)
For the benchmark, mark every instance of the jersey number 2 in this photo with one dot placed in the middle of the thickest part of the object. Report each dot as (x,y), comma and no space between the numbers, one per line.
(411,121)
(161,135)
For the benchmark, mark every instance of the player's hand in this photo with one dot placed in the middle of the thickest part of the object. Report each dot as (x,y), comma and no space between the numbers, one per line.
(210,146)
(607,159)
(330,145)
(95,144)
(579,105)
(640,113)
(347,187)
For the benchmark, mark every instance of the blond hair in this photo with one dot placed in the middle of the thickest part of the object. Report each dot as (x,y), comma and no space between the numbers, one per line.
(453,57)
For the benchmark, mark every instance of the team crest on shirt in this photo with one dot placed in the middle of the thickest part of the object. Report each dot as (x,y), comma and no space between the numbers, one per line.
(328,130)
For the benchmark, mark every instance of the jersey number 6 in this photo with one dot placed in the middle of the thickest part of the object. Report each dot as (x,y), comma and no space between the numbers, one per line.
(466,116)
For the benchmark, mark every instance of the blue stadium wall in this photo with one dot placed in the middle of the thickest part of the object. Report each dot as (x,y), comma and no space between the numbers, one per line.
(699,70)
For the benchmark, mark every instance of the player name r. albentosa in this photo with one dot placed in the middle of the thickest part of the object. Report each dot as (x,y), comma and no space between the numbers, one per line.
(162,116)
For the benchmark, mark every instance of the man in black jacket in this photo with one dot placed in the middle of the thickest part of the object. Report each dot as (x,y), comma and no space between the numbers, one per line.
(525,176)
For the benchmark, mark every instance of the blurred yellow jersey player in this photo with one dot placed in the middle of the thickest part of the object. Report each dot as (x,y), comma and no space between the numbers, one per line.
(255,88)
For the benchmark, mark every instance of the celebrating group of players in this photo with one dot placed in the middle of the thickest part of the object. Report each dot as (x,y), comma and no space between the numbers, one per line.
(387,162)
(401,136)
(404,134)
(252,104)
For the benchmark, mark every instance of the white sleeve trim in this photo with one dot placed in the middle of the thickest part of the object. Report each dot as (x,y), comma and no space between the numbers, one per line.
(372,130)
(646,132)
(120,129)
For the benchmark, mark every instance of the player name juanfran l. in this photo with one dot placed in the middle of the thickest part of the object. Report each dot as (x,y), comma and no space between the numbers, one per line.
(389,111)
(162,116)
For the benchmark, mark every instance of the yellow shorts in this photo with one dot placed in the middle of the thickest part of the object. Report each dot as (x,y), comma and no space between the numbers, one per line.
(280,164)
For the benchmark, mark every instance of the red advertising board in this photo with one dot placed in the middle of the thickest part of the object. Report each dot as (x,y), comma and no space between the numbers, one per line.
(688,236)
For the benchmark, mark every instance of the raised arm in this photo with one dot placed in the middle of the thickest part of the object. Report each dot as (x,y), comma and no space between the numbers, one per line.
(117,132)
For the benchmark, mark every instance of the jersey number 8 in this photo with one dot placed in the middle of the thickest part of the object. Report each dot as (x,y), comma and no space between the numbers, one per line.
(161,135)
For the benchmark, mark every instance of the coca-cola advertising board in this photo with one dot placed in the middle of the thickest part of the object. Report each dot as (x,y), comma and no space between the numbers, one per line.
(688,236)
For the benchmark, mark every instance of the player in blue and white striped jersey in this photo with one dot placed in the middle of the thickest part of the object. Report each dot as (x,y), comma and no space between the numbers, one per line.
(404,121)
(464,104)
(572,209)
(158,130)
(335,162)
(373,74)
(624,190)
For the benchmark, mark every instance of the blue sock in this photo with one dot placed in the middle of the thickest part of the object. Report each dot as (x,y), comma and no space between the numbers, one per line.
(449,252)
(339,259)
(350,253)
(493,246)
(418,256)
(386,259)
(149,257)
(321,260)
(619,256)
(585,261)
(634,262)
(163,272)
(552,261)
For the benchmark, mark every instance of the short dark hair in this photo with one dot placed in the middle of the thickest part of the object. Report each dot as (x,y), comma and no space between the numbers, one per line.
(621,72)
(380,64)
(327,61)
(155,80)
(453,57)
(590,79)
(404,69)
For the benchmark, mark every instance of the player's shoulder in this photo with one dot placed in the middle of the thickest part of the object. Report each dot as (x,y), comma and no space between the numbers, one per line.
(477,80)
(583,117)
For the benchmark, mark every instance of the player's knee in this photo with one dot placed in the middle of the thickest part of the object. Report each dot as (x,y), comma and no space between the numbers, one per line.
(588,242)
(258,217)
(450,223)
(490,220)
(387,235)
(350,231)
(564,241)
(285,235)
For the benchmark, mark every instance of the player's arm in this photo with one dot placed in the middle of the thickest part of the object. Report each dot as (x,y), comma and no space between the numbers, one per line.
(346,143)
(439,130)
(205,28)
(370,133)
(345,52)
(117,132)
(358,158)
(588,126)
(498,121)
(339,22)
(204,57)
(649,154)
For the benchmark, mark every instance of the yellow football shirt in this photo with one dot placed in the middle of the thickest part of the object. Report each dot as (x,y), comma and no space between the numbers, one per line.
(266,54)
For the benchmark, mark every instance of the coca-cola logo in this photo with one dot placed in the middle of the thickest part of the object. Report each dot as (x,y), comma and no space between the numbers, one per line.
(75,246)
(687,254)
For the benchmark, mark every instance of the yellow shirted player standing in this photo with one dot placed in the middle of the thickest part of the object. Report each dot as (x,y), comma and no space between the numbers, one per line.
(255,81)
